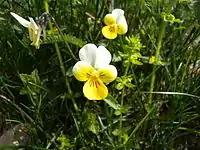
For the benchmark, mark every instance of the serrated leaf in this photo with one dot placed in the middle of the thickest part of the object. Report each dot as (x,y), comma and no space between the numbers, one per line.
(69,38)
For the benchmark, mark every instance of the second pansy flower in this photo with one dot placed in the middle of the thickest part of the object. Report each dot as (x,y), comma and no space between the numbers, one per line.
(115,24)
(33,29)
(94,69)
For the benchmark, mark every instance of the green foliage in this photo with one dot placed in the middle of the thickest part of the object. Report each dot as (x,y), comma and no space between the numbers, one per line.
(124,81)
(132,50)
(65,143)
(32,86)
(170,18)
(157,60)
(51,38)
(91,123)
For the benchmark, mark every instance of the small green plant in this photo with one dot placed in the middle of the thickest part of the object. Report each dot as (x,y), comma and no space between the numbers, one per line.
(132,50)
(65,143)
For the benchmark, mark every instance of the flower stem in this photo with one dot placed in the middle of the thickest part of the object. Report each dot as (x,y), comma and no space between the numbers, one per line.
(122,100)
(62,68)
(120,121)
(160,37)
(185,68)
(46,6)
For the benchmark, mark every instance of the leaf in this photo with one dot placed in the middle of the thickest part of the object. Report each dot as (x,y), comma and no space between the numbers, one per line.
(68,38)
(122,110)
(33,87)
(92,124)
(116,132)
(112,104)
(65,143)
(119,86)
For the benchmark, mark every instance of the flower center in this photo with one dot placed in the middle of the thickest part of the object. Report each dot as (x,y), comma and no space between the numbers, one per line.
(113,28)
(94,76)
(94,80)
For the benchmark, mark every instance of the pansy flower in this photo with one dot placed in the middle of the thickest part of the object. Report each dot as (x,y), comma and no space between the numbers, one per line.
(33,29)
(94,69)
(115,24)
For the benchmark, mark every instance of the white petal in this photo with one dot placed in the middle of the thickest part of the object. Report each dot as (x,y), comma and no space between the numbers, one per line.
(122,20)
(103,57)
(118,13)
(88,54)
(33,25)
(21,20)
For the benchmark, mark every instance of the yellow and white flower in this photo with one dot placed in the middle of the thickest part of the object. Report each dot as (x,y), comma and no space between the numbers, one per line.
(33,29)
(115,24)
(94,69)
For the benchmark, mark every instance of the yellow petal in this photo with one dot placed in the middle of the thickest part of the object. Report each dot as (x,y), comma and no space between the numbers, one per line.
(107,74)
(82,71)
(109,19)
(95,90)
(121,29)
(36,43)
(110,32)
(31,33)
(36,38)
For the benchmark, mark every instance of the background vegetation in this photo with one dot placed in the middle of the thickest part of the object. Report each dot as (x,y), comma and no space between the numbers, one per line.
(48,100)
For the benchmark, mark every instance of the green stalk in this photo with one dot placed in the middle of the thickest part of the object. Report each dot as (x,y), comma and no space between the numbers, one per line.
(62,68)
(34,7)
(140,123)
(122,100)
(160,37)
(112,5)
(121,117)
(185,68)
(46,6)
(62,35)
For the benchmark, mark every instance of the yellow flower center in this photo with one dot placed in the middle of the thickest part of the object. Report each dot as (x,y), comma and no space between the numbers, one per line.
(94,76)
(113,28)
(94,79)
